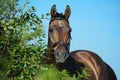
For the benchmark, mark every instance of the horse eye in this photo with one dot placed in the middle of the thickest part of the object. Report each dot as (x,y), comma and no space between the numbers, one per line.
(69,33)
(50,30)
(70,30)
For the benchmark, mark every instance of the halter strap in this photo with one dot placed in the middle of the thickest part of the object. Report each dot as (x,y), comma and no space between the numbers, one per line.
(60,43)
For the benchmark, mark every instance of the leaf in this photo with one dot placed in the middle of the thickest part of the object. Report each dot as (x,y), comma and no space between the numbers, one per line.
(33,8)
(5,28)
(7,24)
(42,16)
(11,27)
(11,21)
(25,3)
(2,21)
(47,14)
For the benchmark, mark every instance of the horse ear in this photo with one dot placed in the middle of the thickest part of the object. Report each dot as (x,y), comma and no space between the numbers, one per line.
(53,11)
(67,12)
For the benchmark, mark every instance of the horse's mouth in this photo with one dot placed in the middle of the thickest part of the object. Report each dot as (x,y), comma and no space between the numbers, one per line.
(61,59)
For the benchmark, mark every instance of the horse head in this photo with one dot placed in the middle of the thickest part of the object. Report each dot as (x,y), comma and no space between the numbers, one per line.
(59,34)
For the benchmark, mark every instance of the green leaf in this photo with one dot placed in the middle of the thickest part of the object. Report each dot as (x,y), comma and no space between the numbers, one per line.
(42,17)
(11,21)
(47,14)
(5,28)
(7,24)
(33,8)
(11,27)
(3,21)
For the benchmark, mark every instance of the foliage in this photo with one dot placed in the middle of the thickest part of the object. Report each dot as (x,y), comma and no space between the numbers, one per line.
(22,45)
(49,72)
(18,28)
(84,74)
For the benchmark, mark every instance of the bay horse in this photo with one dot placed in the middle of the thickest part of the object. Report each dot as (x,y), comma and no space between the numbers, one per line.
(59,35)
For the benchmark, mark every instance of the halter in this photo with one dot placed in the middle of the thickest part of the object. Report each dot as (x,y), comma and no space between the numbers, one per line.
(59,43)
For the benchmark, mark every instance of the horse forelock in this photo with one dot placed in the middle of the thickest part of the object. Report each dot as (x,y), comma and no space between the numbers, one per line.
(59,15)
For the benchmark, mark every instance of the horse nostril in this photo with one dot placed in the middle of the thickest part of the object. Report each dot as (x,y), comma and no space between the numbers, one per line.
(60,55)
(65,56)
(57,54)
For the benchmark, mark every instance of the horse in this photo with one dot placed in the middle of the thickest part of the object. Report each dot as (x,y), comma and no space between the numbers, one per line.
(59,35)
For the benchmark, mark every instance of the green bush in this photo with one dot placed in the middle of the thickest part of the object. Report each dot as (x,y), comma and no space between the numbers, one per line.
(21,41)
(22,45)
(49,72)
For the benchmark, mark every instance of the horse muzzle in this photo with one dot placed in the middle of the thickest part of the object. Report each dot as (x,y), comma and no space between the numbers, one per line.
(60,57)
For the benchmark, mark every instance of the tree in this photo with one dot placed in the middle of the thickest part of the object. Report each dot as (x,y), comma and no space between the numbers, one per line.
(20,58)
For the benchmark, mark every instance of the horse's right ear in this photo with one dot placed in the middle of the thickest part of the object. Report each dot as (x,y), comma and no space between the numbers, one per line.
(53,11)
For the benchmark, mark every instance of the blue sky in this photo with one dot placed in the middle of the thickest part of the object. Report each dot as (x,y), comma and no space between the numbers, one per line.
(95,26)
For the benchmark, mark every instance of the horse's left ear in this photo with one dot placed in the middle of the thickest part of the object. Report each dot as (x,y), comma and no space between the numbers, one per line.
(67,12)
